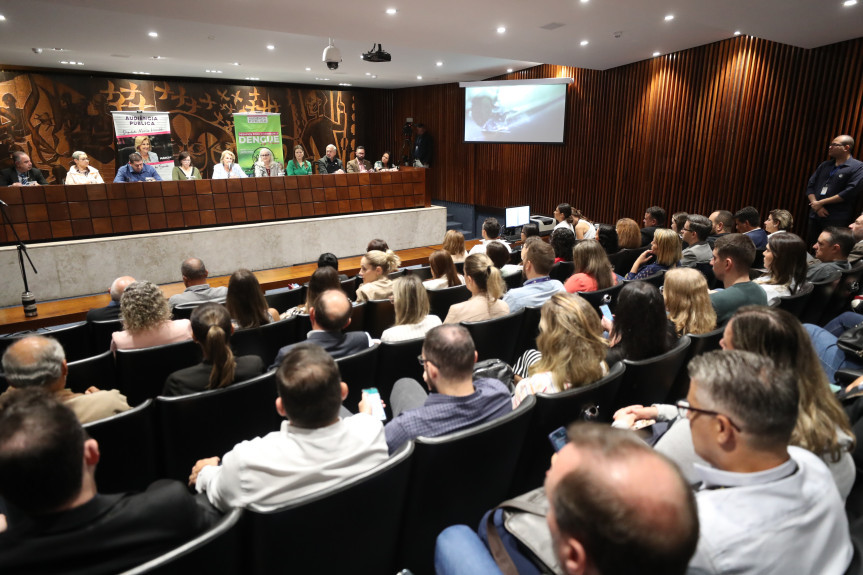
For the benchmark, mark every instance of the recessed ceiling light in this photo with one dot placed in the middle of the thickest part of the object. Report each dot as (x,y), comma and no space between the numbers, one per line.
(584,1)
(374,76)
(509,70)
(584,42)
(737,32)
(344,84)
(214,71)
(419,77)
(270,47)
(391,11)
(368,73)
(252,78)
(849,2)
(2,18)
(501,29)
(655,54)
(438,63)
(59,49)
(153,34)
(308,69)
(236,63)
(142,73)
(158,57)
(71,62)
(669,18)
(323,79)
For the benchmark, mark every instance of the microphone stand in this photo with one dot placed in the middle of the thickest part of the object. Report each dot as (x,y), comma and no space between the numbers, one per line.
(28,300)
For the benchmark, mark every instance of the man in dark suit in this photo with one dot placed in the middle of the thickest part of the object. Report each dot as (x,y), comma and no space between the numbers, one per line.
(330,314)
(422,147)
(654,218)
(112,310)
(330,163)
(57,520)
(23,174)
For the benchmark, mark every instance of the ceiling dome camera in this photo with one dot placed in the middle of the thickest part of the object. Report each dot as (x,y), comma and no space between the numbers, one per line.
(332,56)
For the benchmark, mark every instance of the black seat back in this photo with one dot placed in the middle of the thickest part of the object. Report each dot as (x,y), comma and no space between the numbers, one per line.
(285,299)
(97,370)
(513,281)
(141,373)
(622,261)
(380,315)
(496,338)
(795,304)
(349,286)
(395,361)
(607,296)
(267,340)
(656,279)
(423,273)
(358,318)
(101,332)
(358,371)
(822,292)
(840,300)
(651,380)
(529,330)
(440,300)
(561,271)
(75,340)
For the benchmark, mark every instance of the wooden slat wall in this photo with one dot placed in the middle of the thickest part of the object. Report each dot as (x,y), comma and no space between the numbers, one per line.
(739,122)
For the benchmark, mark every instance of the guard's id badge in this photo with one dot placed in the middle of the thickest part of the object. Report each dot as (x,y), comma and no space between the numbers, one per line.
(824,191)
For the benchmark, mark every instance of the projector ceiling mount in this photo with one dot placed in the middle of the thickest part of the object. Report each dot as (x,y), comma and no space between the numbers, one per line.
(377,54)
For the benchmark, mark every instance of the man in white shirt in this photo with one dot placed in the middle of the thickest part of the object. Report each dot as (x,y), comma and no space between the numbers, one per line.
(315,448)
(537,258)
(490,233)
(763,507)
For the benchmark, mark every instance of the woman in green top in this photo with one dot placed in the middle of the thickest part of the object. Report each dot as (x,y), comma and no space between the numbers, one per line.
(185,171)
(299,166)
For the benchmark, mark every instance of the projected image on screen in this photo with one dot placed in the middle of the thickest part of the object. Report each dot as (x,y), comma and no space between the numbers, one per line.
(515,113)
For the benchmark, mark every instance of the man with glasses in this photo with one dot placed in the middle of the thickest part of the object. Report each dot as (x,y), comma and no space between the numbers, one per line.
(695,232)
(456,402)
(832,189)
(763,506)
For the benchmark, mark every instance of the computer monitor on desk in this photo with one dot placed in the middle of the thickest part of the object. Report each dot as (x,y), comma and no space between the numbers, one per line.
(517,216)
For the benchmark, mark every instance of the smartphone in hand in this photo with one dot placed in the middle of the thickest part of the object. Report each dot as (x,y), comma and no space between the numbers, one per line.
(373,399)
(606,312)
(558,438)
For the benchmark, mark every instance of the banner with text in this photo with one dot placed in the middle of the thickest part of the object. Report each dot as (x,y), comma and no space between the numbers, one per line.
(149,134)
(254,132)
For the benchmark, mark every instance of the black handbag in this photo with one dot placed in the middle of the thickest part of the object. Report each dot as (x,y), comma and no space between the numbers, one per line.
(852,341)
(495,369)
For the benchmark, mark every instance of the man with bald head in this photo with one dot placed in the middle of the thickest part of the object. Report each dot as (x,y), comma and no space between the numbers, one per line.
(197,291)
(38,361)
(832,189)
(330,163)
(112,310)
(330,314)
(615,507)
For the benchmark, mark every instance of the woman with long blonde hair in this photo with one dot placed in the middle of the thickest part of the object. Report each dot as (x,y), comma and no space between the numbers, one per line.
(411,302)
(665,251)
(688,301)
(573,349)
(486,286)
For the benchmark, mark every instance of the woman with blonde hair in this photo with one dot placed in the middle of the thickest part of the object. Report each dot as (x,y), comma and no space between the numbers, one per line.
(444,273)
(628,234)
(486,286)
(227,167)
(664,251)
(593,271)
(146,318)
(267,166)
(584,230)
(412,311)
(143,147)
(374,268)
(778,221)
(453,242)
(246,303)
(212,329)
(688,301)
(572,347)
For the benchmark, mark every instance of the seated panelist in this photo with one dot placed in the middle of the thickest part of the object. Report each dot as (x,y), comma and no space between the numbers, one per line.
(299,166)
(137,171)
(267,166)
(330,163)
(81,172)
(384,165)
(185,170)
(228,168)
(360,163)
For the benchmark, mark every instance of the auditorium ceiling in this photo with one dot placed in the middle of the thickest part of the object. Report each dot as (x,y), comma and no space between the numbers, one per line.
(228,39)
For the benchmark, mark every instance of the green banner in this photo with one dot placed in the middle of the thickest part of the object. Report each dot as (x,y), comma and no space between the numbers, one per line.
(254,132)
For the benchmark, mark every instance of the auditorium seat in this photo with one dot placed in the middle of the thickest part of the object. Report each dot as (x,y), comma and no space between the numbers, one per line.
(459,267)
(529,330)
(349,286)
(75,340)
(266,341)
(513,281)
(141,373)
(286,298)
(395,361)
(358,318)
(561,271)
(440,300)
(184,311)
(656,279)
(707,271)
(358,371)
(456,478)
(621,262)
(795,304)
(607,296)
(358,520)
(97,370)
(840,299)
(593,402)
(218,550)
(817,302)
(496,338)
(210,423)
(380,314)
(651,380)
(699,344)
(423,273)
(101,332)
(127,447)
(396,274)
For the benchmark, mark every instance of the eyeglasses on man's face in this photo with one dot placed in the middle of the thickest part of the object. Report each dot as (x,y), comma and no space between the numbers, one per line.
(683,409)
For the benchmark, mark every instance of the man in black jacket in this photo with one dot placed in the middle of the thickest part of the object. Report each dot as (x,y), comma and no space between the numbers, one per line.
(23,174)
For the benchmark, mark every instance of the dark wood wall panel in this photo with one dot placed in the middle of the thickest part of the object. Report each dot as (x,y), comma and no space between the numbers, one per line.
(739,122)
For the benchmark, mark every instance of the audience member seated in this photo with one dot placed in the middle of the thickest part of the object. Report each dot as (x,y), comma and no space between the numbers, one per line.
(593,271)
(748,221)
(723,224)
(688,302)
(330,314)
(563,216)
(212,329)
(606,235)
(299,165)
(664,253)
(785,262)
(831,250)
(486,286)
(572,347)
(500,256)
(184,170)
(57,520)
(147,320)
(112,310)
(694,232)
(453,243)
(81,172)
(603,514)
(267,166)
(490,233)
(456,401)
(227,168)
(640,329)
(628,234)
(39,362)
(23,173)
(654,218)
(778,221)
(562,241)
(246,302)
(197,290)
(443,270)
(584,229)
(788,516)
(732,259)
(374,267)
(822,427)
(137,171)
(377,244)
(825,339)
(678,220)
(328,259)
(411,304)
(315,448)
(323,279)
(529,230)
(537,257)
